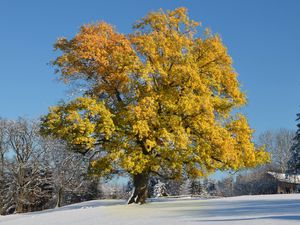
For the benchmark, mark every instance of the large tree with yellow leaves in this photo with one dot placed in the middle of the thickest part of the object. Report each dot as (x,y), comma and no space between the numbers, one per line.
(157,101)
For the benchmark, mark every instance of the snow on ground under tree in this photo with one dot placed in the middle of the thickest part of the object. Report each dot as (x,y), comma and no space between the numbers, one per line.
(261,209)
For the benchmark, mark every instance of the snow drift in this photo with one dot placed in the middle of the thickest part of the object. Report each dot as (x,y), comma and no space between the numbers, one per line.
(261,209)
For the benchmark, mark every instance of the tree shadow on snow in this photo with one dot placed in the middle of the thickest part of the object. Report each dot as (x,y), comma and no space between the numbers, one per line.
(93,204)
(83,205)
(253,218)
(243,210)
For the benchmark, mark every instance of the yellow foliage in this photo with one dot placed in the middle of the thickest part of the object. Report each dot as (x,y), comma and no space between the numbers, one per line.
(159,99)
(79,122)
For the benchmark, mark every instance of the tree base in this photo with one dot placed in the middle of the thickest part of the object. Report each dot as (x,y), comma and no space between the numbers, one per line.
(140,190)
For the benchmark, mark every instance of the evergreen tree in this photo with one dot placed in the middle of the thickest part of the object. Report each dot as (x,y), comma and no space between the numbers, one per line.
(195,187)
(199,187)
(294,161)
(160,189)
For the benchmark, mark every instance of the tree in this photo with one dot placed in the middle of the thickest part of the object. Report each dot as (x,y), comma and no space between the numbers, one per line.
(200,187)
(294,161)
(278,144)
(68,169)
(3,145)
(160,190)
(3,151)
(225,187)
(38,173)
(255,182)
(28,182)
(157,101)
(172,187)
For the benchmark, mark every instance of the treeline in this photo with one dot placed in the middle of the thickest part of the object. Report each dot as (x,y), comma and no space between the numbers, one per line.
(248,182)
(37,173)
(258,181)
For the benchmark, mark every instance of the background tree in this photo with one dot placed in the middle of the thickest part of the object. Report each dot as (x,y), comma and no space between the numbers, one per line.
(39,173)
(225,187)
(68,170)
(3,145)
(3,150)
(157,101)
(160,189)
(255,182)
(294,161)
(172,187)
(28,184)
(200,187)
(278,143)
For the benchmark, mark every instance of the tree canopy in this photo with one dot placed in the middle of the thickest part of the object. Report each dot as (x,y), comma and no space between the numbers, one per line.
(158,100)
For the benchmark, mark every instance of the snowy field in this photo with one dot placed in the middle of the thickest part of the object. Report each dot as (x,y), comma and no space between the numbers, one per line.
(243,210)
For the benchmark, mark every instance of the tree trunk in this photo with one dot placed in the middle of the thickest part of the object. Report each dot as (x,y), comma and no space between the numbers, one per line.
(140,188)
(59,198)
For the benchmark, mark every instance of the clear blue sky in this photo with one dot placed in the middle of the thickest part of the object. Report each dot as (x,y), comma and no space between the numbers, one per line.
(262,36)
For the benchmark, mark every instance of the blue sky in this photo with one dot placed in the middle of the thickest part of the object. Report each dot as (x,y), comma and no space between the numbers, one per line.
(262,36)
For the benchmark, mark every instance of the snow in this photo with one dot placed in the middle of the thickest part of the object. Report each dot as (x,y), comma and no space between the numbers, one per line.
(292,179)
(261,209)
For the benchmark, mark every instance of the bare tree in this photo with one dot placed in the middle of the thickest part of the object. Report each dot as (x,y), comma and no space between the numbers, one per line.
(225,187)
(37,172)
(278,143)
(3,145)
(69,170)
(29,181)
(255,182)
(3,150)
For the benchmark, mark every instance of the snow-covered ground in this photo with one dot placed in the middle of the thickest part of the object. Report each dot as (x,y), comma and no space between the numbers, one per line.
(243,210)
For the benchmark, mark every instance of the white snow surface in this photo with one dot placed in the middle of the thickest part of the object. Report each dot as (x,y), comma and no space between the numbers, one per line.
(292,179)
(244,210)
